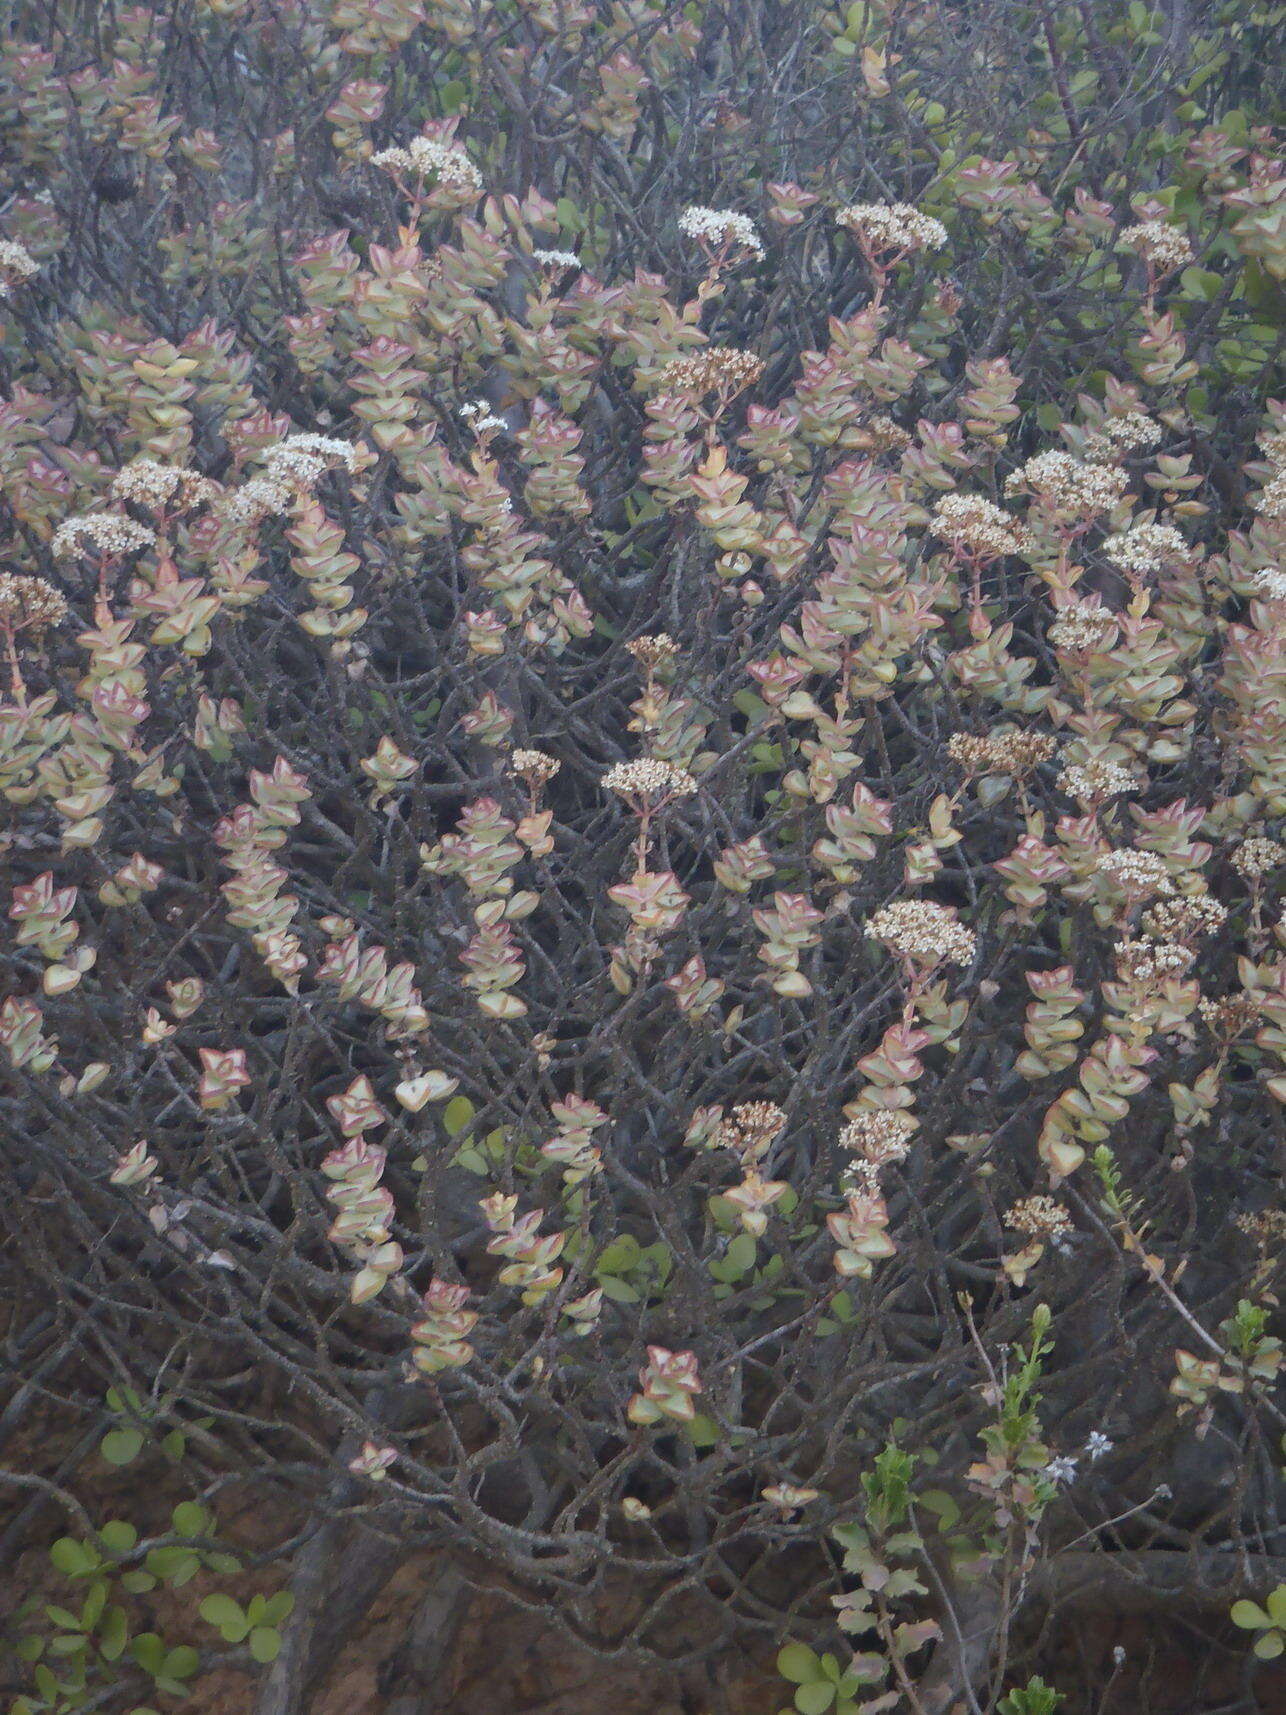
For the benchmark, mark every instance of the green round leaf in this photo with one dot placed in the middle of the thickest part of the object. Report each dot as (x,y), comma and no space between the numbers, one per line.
(181,1663)
(119,1535)
(72,1558)
(798,1664)
(121,1446)
(1249,1616)
(265,1642)
(113,1634)
(226,1615)
(1270,1646)
(815,1699)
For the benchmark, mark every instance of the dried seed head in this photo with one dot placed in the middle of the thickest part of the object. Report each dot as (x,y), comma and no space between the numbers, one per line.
(29,604)
(653,652)
(1039,1216)
(1013,753)
(649,777)
(722,369)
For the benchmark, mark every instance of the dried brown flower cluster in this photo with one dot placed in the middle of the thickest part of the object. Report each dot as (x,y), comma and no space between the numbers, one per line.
(880,434)
(1083,629)
(1164,248)
(977,525)
(649,778)
(29,604)
(108,532)
(923,932)
(1069,485)
(1096,780)
(884,1134)
(534,766)
(1229,1016)
(1146,548)
(751,1128)
(655,651)
(722,369)
(1014,753)
(1258,856)
(1185,919)
(154,485)
(1267,1227)
(892,226)
(1040,1217)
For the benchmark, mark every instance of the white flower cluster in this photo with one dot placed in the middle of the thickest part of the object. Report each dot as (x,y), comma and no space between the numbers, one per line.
(534,766)
(647,777)
(425,155)
(923,932)
(1152,962)
(1139,873)
(254,500)
(1270,502)
(1271,584)
(1067,484)
(16,265)
(884,1134)
(1082,629)
(977,525)
(482,419)
(148,483)
(1146,548)
(1185,919)
(716,227)
(1130,432)
(108,532)
(1273,447)
(893,226)
(304,459)
(555,259)
(1258,856)
(1164,247)
(1095,780)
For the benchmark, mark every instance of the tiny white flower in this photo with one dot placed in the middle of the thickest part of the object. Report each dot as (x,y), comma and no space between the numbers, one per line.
(1061,1470)
(1097,1445)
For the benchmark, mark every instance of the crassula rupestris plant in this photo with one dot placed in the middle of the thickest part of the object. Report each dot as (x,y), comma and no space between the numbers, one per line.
(643,808)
